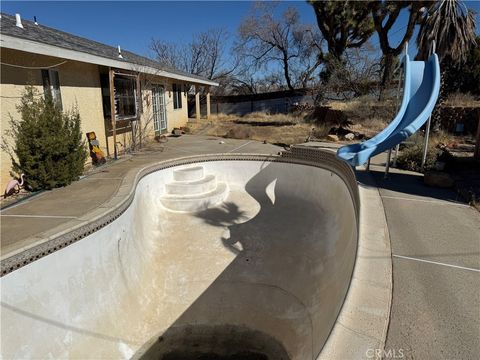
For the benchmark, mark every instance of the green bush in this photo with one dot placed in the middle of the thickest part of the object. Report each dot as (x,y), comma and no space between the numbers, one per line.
(47,143)
(410,157)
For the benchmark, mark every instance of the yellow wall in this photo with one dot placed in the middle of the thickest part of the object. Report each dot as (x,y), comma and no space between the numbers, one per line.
(80,86)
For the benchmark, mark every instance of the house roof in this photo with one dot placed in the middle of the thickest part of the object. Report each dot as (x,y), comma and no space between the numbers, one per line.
(44,40)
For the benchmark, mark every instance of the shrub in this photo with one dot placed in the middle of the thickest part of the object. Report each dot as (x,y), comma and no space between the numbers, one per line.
(411,156)
(47,142)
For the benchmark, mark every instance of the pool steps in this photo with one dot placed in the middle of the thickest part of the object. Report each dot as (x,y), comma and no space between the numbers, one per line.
(208,183)
(192,190)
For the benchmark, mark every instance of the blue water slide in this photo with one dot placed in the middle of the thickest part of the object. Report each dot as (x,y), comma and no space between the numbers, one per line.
(420,93)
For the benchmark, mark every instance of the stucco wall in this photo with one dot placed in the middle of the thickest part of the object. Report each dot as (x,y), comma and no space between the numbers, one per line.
(79,86)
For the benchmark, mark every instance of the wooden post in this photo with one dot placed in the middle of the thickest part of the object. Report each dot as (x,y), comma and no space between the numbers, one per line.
(197,102)
(113,112)
(140,112)
(476,155)
(208,102)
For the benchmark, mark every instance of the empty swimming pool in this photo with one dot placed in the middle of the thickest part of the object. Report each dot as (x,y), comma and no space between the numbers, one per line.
(225,256)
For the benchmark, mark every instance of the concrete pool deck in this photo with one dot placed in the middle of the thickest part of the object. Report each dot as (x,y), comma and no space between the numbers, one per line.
(435,240)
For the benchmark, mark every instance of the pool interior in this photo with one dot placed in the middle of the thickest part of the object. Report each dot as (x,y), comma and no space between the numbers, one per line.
(261,275)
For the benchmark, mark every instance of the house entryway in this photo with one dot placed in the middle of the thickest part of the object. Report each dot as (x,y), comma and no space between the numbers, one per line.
(159,111)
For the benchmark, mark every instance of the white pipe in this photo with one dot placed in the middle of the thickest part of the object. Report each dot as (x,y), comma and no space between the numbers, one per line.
(18,20)
(427,130)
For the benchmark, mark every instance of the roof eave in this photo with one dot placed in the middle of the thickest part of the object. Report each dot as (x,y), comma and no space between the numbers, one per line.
(12,42)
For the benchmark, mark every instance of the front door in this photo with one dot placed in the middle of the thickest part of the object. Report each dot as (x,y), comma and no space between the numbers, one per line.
(159,111)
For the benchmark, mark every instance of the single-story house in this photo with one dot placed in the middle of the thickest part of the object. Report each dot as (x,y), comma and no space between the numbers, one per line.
(144,95)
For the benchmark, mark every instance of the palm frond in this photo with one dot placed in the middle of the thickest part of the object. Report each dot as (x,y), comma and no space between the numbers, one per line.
(452,25)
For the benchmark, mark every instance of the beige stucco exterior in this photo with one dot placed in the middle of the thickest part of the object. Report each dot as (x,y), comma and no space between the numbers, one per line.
(80,86)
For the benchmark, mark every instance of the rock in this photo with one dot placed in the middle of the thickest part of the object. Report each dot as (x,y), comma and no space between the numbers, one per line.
(339,131)
(358,136)
(350,136)
(438,179)
(332,137)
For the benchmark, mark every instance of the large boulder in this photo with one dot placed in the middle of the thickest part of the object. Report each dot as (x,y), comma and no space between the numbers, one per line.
(332,137)
(438,179)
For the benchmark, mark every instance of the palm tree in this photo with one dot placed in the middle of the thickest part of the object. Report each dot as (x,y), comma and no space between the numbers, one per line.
(452,26)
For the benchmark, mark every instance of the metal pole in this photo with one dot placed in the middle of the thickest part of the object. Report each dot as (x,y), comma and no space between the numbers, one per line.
(425,143)
(427,130)
(396,156)
(387,165)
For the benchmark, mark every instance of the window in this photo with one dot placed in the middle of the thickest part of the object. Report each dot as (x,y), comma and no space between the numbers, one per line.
(104,81)
(177,96)
(51,86)
(125,97)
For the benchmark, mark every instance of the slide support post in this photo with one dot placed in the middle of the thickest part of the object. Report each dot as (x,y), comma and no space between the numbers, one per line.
(425,143)
(396,156)
(387,165)
(427,130)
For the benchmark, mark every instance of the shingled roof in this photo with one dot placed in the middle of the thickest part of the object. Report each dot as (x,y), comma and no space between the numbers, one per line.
(49,36)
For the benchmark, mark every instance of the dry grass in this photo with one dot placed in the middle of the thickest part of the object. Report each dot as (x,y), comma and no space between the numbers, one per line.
(257,116)
(292,134)
(366,113)
(222,125)
(265,117)
(462,100)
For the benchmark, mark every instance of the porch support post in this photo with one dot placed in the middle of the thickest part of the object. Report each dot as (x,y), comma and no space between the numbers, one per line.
(476,155)
(208,102)
(197,102)
(111,76)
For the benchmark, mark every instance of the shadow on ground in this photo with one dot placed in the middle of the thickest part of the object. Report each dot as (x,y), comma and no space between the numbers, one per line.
(405,183)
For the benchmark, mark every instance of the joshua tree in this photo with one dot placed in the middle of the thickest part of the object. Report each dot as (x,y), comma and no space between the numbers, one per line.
(385,14)
(452,26)
(344,24)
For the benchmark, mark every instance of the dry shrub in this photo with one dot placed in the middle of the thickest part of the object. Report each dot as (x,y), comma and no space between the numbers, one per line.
(320,131)
(458,99)
(363,108)
(411,155)
(239,132)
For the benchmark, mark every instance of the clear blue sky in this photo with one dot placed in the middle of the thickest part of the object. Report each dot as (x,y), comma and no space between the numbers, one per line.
(133,24)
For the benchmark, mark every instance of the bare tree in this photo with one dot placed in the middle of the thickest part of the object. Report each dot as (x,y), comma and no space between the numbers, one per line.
(265,40)
(356,74)
(203,56)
